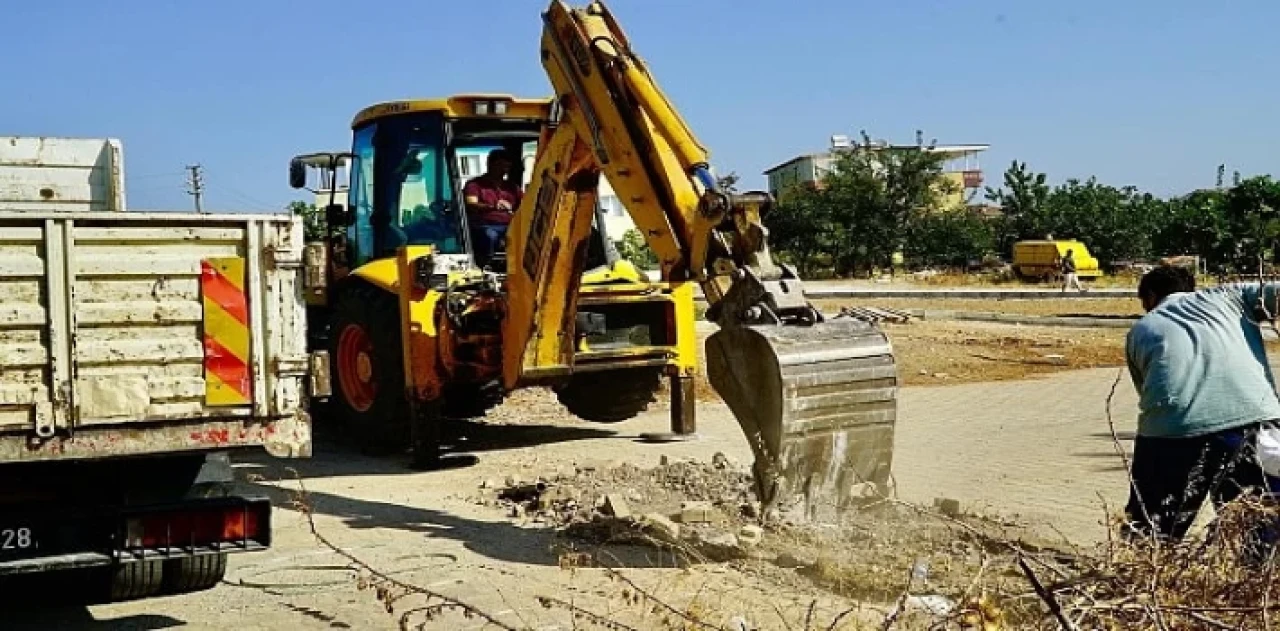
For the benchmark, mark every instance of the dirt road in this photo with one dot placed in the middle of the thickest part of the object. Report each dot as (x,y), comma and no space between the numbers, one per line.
(1038,449)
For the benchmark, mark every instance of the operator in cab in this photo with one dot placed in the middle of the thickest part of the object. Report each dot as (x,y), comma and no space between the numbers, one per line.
(491,199)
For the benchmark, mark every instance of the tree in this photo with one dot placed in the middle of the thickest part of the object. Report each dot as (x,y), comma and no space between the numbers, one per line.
(950,239)
(799,227)
(1251,209)
(729,183)
(634,249)
(1115,223)
(312,219)
(1194,224)
(859,212)
(870,196)
(1023,200)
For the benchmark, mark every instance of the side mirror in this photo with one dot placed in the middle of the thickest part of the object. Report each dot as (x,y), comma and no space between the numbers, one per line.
(297,174)
(337,215)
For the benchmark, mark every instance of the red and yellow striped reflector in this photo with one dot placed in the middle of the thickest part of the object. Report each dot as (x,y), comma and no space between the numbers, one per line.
(226,332)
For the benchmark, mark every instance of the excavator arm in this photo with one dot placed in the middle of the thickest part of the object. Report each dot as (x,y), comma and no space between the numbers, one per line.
(815,396)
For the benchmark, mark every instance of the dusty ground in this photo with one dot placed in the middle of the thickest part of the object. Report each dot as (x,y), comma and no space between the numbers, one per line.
(967,352)
(1036,458)
(448,530)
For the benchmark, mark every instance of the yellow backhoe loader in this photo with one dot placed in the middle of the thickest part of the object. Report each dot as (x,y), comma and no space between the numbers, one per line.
(420,331)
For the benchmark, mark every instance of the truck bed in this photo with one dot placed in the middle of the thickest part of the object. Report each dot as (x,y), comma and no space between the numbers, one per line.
(127,333)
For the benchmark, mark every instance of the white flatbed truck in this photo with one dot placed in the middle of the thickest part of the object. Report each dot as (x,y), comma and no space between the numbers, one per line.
(137,351)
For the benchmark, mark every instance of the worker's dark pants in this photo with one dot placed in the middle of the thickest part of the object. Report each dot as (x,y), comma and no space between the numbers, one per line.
(487,239)
(1173,476)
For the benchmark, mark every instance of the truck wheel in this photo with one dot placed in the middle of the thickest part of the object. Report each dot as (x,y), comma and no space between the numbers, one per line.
(132,581)
(194,574)
(610,396)
(368,374)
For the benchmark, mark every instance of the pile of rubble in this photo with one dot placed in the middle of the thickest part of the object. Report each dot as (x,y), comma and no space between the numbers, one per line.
(707,510)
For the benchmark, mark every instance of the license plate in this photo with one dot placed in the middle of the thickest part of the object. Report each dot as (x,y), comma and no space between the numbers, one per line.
(18,541)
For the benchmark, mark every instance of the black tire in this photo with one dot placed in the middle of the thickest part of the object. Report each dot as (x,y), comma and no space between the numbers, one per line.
(610,396)
(132,581)
(466,401)
(194,574)
(375,414)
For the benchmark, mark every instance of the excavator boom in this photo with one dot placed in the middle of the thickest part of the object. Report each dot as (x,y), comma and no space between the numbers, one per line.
(815,396)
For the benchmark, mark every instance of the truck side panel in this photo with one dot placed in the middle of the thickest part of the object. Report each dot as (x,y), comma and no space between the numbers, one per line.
(61,174)
(118,332)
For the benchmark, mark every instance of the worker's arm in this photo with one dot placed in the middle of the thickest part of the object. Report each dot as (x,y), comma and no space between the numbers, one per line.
(1261,300)
(1132,359)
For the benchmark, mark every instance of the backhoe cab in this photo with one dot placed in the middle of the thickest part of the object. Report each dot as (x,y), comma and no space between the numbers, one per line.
(413,319)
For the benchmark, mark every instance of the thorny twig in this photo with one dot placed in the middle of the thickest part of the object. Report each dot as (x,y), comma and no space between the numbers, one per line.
(1049,599)
(1124,457)
(595,618)
(901,605)
(835,622)
(613,573)
(446,602)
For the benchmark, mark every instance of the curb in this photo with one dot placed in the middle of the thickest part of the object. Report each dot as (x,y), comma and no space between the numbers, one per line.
(1008,318)
(1011,318)
(963,294)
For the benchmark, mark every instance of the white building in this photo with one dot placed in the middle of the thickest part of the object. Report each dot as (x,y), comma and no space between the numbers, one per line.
(961,167)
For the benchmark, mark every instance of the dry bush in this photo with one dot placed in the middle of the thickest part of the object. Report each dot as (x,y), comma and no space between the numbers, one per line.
(1225,581)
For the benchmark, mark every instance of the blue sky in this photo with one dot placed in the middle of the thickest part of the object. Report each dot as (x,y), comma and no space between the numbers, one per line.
(1144,92)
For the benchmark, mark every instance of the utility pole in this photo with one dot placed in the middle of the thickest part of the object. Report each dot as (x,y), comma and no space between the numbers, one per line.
(195,186)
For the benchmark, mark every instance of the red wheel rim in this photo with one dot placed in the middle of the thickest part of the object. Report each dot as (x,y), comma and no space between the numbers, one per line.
(355,368)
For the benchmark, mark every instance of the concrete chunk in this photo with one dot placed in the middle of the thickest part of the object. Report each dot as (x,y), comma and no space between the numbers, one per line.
(751,535)
(615,505)
(661,527)
(947,506)
(696,513)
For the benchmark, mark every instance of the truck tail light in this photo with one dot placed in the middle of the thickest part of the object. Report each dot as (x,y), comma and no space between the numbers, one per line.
(244,525)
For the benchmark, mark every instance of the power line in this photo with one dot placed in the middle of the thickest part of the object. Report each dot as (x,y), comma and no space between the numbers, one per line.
(195,186)
(238,196)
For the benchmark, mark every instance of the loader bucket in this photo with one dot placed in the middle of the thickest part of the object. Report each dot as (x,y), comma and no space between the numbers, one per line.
(818,405)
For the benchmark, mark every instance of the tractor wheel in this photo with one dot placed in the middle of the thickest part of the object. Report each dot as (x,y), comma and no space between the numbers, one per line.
(610,396)
(368,373)
(466,401)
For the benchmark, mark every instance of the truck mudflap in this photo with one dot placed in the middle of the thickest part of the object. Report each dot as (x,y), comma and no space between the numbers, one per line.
(49,539)
(818,404)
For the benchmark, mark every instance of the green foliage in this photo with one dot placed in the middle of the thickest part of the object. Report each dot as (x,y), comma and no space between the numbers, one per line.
(729,183)
(878,202)
(949,239)
(1195,223)
(1115,223)
(800,225)
(312,219)
(1024,200)
(634,249)
(1252,214)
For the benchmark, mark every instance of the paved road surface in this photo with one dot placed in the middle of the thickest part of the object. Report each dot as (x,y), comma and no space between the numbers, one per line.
(1040,449)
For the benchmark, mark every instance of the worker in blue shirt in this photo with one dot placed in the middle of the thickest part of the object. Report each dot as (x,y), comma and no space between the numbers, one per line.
(1205,388)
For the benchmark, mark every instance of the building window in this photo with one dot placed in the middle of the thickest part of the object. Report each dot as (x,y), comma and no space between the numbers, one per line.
(612,206)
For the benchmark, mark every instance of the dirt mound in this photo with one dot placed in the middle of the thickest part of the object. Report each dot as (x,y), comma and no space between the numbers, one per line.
(707,511)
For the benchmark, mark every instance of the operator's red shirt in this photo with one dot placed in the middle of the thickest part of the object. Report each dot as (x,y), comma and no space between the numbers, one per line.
(490,193)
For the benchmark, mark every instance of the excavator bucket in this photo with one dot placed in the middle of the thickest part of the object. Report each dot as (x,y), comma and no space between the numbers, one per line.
(818,405)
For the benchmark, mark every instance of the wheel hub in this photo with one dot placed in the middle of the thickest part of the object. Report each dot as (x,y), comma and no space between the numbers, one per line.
(355,368)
